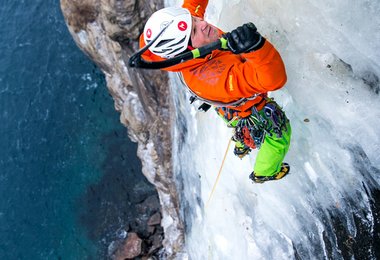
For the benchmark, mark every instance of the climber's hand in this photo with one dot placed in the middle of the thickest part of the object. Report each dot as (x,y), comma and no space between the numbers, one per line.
(245,38)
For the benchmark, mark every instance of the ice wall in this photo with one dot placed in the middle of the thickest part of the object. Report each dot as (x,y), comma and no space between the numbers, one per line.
(323,208)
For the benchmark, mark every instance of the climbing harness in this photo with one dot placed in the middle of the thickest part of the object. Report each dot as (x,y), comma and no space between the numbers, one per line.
(251,130)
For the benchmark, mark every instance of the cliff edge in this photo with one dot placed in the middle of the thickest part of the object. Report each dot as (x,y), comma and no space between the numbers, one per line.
(108,31)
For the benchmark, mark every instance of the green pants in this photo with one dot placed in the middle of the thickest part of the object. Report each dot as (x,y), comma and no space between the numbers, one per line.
(272,153)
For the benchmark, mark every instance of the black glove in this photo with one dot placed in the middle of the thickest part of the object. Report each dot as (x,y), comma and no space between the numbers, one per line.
(245,38)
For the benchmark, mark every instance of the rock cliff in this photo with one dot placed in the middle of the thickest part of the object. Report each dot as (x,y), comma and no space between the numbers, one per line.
(108,31)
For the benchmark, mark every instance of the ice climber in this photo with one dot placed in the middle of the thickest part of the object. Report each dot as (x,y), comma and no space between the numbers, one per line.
(234,81)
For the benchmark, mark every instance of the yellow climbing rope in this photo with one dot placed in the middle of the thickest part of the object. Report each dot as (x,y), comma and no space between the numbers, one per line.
(220,170)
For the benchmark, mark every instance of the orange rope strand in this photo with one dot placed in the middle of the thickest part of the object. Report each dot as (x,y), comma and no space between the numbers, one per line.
(220,170)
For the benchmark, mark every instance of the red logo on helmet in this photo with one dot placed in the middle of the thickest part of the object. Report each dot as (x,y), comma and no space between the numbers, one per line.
(149,33)
(182,26)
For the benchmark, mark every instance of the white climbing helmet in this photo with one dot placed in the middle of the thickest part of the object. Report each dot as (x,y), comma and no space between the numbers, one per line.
(175,37)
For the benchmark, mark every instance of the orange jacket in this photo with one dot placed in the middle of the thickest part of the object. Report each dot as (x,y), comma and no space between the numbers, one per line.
(226,77)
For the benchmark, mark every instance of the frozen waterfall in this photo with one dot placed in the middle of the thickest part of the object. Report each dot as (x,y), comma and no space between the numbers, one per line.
(323,207)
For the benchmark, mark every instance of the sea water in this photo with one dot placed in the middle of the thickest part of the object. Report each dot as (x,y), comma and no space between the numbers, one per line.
(64,174)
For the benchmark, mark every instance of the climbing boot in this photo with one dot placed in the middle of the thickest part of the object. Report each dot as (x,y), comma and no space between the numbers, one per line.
(241,151)
(261,179)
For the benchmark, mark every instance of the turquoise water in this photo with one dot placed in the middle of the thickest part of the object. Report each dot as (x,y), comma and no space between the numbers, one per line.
(63,157)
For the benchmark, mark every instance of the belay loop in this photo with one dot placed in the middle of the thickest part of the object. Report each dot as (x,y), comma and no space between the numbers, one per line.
(251,130)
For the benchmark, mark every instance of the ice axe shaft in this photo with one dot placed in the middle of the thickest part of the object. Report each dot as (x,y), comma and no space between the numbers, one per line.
(136,60)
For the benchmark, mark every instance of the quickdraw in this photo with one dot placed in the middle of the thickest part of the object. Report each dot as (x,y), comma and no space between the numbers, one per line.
(250,132)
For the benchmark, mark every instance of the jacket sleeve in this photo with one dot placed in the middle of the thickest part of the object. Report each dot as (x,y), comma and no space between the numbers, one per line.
(196,7)
(259,72)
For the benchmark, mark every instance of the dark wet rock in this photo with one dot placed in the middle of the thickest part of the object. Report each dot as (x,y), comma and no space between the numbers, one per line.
(151,229)
(150,204)
(156,242)
(146,209)
(131,248)
(154,219)
(150,246)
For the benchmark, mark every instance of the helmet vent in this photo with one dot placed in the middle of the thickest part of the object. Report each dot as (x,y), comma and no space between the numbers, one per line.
(163,42)
(177,43)
(174,51)
(161,51)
